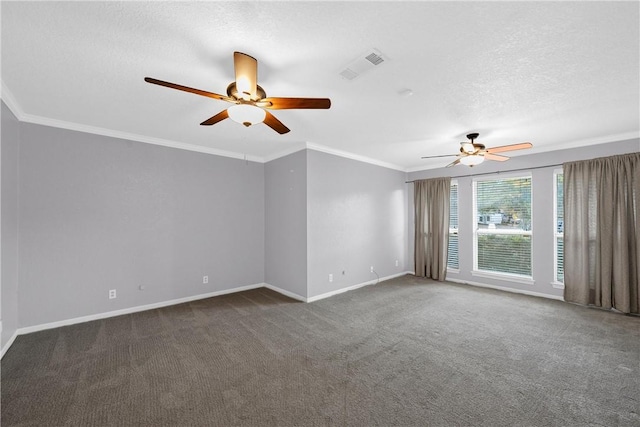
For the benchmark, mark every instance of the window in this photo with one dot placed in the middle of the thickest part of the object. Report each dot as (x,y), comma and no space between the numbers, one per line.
(502,212)
(559,225)
(452,260)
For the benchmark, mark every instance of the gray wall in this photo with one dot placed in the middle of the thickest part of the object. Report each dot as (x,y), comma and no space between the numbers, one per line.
(9,226)
(543,224)
(356,216)
(99,213)
(286,223)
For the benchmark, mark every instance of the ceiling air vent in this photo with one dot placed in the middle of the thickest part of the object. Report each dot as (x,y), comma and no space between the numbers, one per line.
(374,59)
(367,61)
(349,74)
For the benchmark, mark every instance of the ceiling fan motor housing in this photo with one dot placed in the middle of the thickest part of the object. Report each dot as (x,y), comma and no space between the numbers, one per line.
(233,92)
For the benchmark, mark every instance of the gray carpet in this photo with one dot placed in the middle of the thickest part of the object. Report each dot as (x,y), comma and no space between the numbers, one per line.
(406,352)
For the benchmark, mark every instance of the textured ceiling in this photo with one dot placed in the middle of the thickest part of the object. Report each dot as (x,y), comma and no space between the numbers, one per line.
(557,74)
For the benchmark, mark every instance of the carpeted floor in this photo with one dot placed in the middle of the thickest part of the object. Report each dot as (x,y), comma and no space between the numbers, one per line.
(406,352)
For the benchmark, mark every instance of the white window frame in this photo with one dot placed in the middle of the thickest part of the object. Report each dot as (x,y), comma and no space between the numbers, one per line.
(527,280)
(556,234)
(455,231)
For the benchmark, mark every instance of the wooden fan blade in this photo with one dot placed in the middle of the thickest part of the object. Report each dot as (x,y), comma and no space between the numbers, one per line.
(246,69)
(511,147)
(495,157)
(433,157)
(188,89)
(275,124)
(294,103)
(455,162)
(215,119)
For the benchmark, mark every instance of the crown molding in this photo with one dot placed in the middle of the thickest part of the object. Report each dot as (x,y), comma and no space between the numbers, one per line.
(352,156)
(332,151)
(7,97)
(293,149)
(579,143)
(135,137)
(10,101)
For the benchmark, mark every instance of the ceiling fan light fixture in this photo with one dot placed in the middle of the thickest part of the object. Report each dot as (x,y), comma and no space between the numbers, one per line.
(472,160)
(246,114)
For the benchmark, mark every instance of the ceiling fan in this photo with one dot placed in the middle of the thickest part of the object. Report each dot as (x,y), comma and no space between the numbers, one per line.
(251,101)
(473,153)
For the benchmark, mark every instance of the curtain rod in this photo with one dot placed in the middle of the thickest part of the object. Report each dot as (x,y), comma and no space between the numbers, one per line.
(494,173)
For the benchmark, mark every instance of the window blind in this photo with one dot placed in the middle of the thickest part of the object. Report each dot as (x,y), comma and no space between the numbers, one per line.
(452,255)
(559,231)
(503,225)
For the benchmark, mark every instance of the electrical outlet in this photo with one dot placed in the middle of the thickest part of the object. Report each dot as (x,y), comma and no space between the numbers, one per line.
(112,294)
(205,279)
(371,269)
(330,277)
(396,263)
(141,287)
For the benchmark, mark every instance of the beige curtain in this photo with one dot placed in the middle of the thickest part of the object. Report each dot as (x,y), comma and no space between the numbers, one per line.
(431,200)
(602,231)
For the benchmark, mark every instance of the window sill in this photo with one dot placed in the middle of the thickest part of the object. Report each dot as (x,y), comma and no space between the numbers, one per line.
(557,285)
(453,270)
(504,276)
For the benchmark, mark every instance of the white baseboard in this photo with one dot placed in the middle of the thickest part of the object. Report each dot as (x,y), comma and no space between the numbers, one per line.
(285,292)
(66,322)
(351,288)
(502,288)
(105,315)
(8,344)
